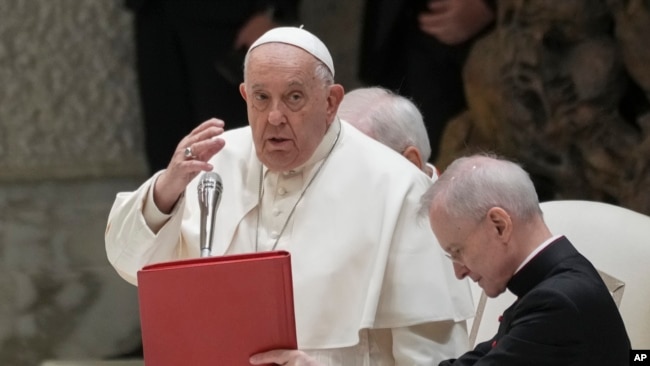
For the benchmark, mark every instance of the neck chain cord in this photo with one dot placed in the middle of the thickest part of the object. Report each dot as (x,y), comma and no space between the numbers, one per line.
(286,222)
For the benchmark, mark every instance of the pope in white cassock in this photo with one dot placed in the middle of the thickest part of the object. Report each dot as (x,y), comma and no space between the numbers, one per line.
(371,285)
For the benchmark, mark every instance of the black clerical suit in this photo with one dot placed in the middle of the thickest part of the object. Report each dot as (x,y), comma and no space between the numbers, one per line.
(564,315)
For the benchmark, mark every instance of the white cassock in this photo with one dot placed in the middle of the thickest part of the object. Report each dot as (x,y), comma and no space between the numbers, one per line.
(371,285)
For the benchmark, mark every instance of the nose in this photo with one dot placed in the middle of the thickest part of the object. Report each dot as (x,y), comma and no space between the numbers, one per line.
(276,115)
(460,270)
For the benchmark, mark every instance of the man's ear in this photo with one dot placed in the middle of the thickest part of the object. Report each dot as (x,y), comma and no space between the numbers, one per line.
(413,155)
(334,98)
(501,221)
(242,91)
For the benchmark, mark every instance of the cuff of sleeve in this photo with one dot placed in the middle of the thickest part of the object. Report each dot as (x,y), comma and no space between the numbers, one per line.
(154,218)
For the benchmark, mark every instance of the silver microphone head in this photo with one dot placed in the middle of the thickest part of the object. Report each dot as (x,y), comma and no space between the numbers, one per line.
(209,192)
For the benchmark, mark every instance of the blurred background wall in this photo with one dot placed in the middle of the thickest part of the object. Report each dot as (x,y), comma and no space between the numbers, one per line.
(70,139)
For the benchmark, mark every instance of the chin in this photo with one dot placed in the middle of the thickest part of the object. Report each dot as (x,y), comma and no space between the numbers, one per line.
(277,160)
(279,165)
(492,293)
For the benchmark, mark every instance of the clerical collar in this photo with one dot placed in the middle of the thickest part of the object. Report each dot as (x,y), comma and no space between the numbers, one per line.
(321,151)
(541,247)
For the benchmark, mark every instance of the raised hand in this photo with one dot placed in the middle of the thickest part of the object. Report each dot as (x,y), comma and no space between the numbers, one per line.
(190,158)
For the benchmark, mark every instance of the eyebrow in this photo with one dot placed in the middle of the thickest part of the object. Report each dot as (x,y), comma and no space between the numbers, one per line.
(292,83)
(296,84)
(257,86)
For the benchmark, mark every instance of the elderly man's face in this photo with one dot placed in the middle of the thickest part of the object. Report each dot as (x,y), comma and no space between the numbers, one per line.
(475,250)
(289,107)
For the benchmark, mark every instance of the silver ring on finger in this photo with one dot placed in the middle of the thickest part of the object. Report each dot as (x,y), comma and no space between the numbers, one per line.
(188,153)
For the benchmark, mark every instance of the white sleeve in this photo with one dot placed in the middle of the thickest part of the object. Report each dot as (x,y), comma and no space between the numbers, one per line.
(131,243)
(429,343)
(154,218)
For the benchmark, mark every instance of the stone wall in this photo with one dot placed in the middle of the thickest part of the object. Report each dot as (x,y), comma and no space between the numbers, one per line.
(68,101)
(69,140)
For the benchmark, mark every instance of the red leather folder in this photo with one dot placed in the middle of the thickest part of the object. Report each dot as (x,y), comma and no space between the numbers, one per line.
(216,310)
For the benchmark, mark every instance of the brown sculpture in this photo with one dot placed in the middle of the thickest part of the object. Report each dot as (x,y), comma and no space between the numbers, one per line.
(563,87)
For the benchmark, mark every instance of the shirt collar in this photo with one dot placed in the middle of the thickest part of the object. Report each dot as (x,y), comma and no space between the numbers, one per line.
(537,250)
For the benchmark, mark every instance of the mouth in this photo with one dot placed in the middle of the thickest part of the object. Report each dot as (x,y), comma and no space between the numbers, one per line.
(279,142)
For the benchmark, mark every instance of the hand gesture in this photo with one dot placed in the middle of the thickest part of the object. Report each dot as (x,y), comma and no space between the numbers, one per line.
(190,158)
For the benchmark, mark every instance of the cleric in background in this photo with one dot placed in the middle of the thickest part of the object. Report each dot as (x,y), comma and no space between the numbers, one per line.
(486,216)
(370,284)
(391,119)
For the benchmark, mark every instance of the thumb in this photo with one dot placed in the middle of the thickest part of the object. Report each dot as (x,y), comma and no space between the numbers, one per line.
(274,356)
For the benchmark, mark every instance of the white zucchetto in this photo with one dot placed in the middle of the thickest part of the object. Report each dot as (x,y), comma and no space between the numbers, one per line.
(300,38)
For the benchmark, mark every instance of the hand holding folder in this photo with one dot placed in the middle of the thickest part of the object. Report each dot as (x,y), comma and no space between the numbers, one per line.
(216,310)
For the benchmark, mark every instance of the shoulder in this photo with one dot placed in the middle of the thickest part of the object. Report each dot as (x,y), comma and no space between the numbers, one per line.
(571,292)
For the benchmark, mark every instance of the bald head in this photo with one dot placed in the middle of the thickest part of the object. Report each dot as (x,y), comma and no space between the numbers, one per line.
(388,118)
(470,186)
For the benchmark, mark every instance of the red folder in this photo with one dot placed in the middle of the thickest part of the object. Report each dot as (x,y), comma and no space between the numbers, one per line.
(216,310)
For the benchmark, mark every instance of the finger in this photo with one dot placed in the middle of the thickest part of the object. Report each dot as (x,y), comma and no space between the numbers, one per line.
(278,356)
(206,149)
(207,124)
(182,165)
(201,128)
(432,21)
(203,145)
(432,25)
(208,134)
(209,129)
(439,6)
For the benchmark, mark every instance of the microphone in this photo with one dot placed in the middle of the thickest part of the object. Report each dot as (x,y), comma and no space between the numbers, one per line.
(209,190)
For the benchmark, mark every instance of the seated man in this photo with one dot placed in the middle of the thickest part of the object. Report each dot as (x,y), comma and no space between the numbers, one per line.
(370,286)
(392,120)
(486,216)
